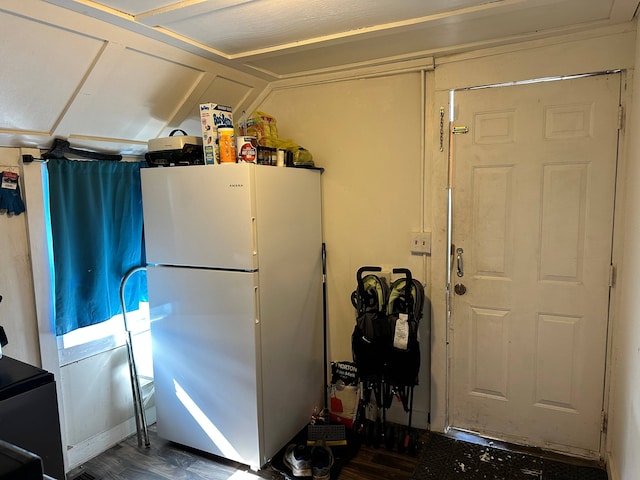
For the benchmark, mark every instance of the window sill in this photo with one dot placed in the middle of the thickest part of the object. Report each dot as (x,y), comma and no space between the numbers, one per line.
(96,339)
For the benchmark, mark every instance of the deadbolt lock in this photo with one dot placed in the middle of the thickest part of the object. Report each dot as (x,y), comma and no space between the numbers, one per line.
(460,289)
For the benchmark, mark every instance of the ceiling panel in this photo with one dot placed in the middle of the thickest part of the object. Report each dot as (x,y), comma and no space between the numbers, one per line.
(133,109)
(261,24)
(226,92)
(139,6)
(36,81)
(220,90)
(443,33)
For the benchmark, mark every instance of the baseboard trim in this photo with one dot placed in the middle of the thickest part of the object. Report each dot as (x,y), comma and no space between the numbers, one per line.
(94,446)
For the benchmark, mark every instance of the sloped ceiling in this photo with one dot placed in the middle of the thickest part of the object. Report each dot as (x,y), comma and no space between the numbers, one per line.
(282,38)
(109,75)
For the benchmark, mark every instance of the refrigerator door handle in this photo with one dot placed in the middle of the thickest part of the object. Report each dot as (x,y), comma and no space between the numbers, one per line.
(256,302)
(254,236)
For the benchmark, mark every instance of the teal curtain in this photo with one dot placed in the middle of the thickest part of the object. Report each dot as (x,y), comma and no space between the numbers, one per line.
(96,228)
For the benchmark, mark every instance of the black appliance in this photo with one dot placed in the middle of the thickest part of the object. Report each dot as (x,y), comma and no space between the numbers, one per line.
(29,416)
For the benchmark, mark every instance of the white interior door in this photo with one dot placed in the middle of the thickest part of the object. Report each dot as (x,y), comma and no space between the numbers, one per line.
(533,199)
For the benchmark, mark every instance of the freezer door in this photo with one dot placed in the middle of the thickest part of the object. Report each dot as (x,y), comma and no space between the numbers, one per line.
(205,358)
(200,216)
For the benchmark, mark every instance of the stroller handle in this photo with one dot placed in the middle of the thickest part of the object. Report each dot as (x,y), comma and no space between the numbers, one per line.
(361,270)
(406,271)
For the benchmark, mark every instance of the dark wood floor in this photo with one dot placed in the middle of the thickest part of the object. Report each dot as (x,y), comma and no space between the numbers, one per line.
(165,460)
(474,456)
(379,464)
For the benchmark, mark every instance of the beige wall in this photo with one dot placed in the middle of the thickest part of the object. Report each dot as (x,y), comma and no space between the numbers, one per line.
(17,310)
(366,134)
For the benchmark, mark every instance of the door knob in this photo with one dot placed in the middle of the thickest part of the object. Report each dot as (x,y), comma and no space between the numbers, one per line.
(460,289)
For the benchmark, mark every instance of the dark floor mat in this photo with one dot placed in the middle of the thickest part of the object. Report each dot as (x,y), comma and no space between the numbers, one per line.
(341,454)
(444,458)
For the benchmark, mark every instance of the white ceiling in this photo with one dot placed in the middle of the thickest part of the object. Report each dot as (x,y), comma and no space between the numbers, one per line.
(284,38)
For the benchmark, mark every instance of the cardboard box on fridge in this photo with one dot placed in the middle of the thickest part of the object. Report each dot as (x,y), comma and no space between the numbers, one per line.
(212,116)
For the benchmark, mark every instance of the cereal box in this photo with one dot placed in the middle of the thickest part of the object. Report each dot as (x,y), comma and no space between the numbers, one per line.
(212,116)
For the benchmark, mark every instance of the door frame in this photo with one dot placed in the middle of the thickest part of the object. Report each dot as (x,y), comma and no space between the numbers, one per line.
(444,155)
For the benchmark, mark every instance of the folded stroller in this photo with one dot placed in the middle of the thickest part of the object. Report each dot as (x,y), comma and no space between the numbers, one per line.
(404,312)
(370,343)
(386,349)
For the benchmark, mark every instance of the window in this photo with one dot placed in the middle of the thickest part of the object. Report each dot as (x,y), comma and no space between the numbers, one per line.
(96,228)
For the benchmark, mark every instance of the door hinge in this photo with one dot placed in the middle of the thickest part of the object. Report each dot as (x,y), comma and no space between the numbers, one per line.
(612,275)
(603,421)
(620,117)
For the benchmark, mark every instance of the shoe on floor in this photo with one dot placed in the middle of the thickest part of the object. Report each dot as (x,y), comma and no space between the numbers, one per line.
(321,461)
(298,459)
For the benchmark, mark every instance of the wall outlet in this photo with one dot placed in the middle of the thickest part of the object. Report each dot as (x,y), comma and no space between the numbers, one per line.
(421,242)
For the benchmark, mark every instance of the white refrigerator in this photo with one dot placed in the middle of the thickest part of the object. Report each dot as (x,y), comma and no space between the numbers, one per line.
(234,255)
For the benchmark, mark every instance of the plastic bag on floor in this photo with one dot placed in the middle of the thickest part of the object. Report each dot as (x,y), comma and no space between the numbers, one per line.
(344,393)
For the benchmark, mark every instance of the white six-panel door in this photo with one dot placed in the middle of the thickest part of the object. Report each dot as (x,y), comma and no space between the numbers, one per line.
(533,200)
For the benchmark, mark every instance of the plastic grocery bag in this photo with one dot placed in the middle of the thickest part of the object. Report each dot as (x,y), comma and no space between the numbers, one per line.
(260,125)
